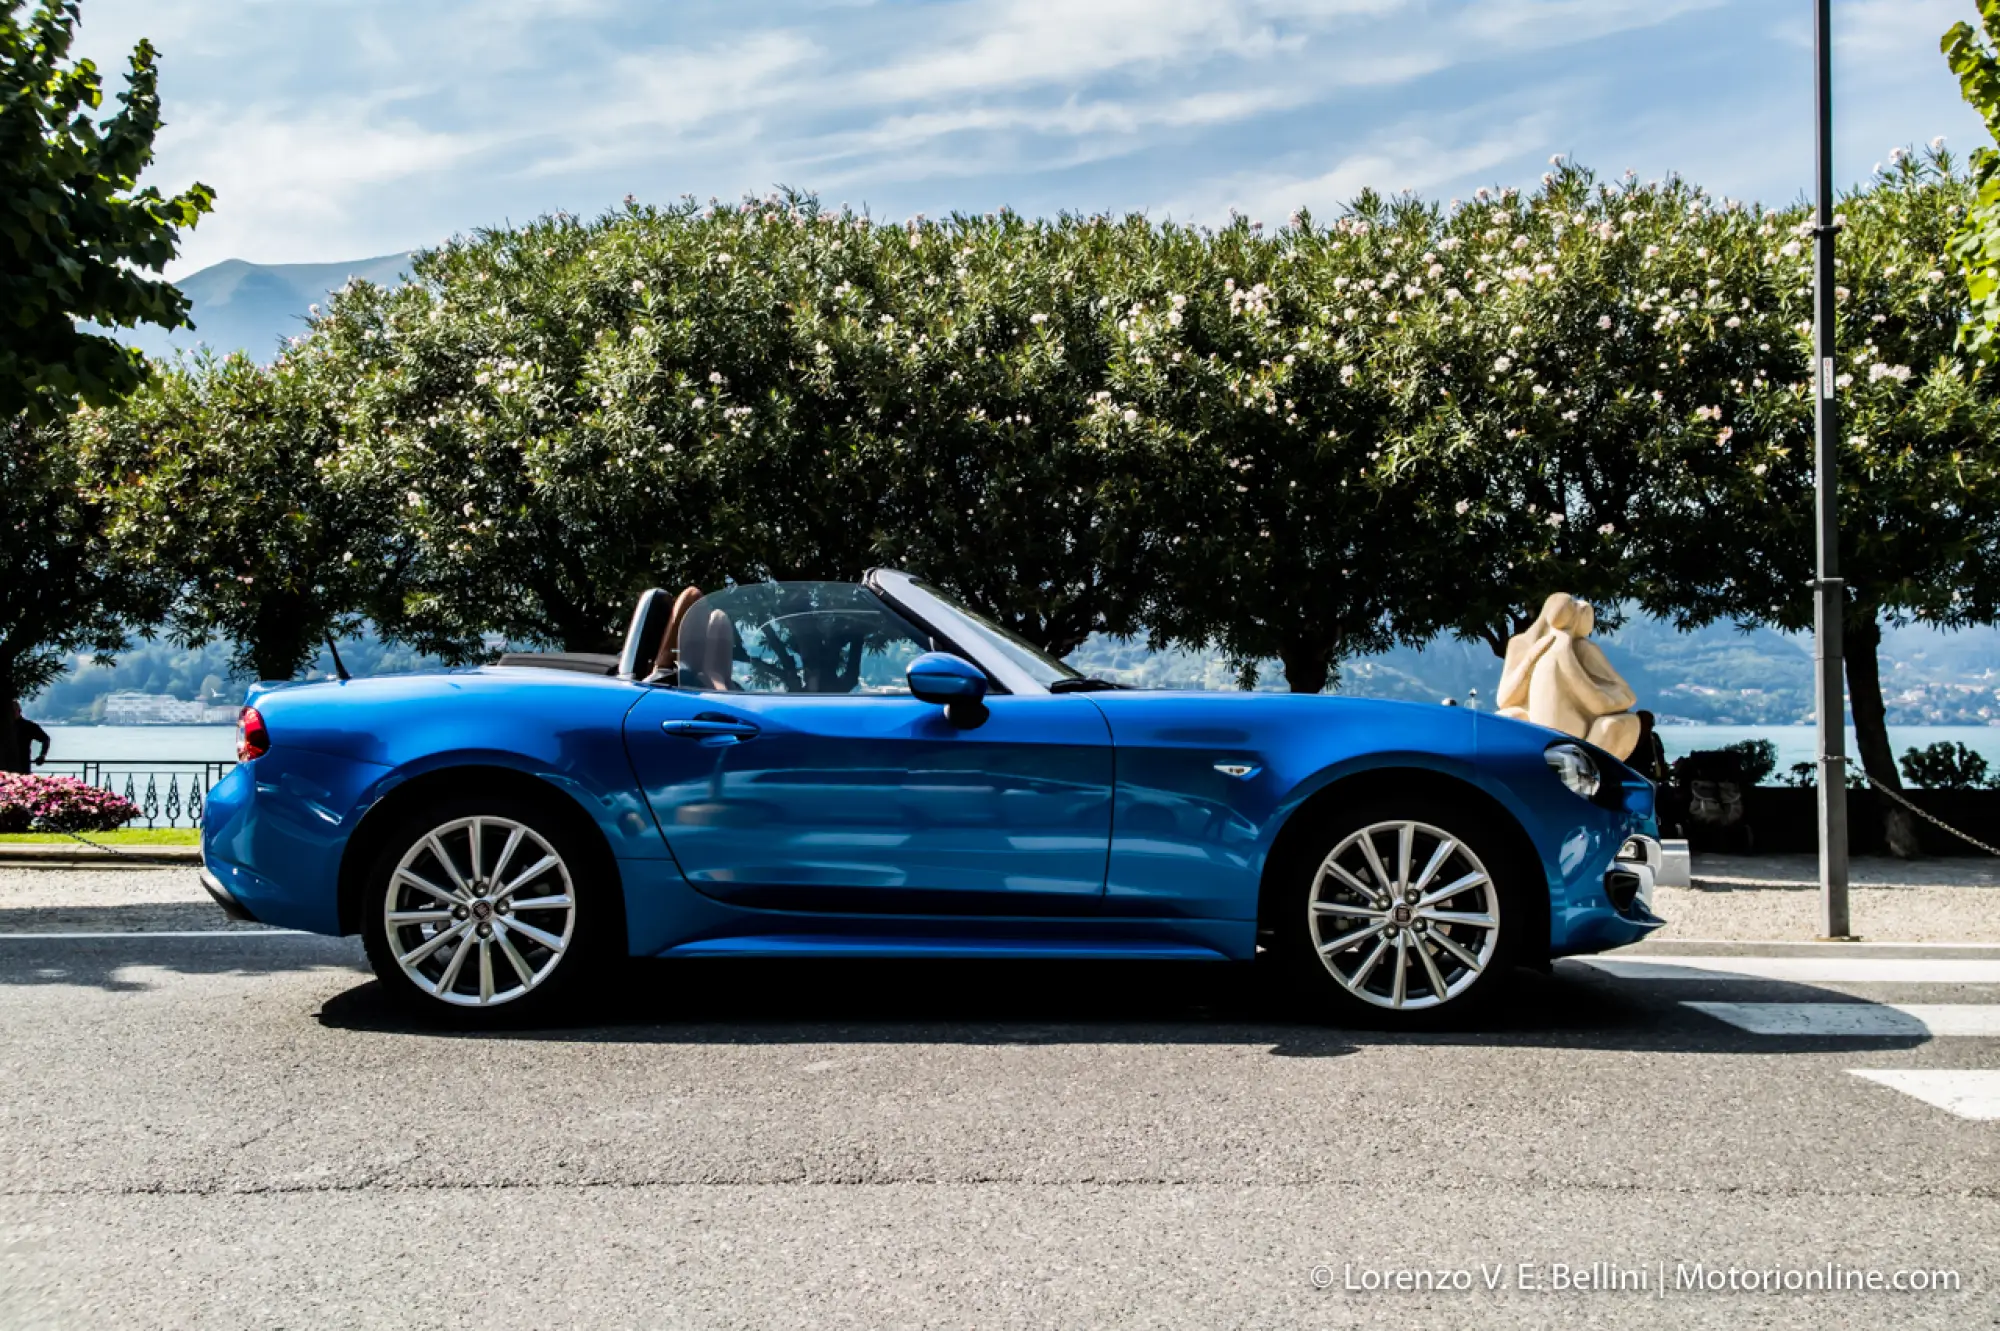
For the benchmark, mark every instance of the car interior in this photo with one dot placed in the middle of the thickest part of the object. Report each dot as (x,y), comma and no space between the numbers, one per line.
(651,643)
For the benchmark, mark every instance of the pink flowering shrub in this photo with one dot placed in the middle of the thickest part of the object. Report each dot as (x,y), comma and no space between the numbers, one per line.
(60,804)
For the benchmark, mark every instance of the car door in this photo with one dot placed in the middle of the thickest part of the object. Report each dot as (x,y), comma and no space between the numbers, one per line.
(786,784)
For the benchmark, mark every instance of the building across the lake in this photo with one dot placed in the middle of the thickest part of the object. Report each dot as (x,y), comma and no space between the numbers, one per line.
(128,707)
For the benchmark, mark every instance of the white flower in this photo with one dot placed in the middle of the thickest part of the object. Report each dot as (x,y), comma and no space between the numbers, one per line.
(1502,365)
(1554,519)
(1759,469)
(1604,321)
(1896,155)
(1435,271)
(1174,318)
(1652,251)
(1934,276)
(1732,322)
(1879,371)
(1346,374)
(1607,530)
(1131,416)
(1842,381)
(1520,243)
(1790,249)
(1038,318)
(715,376)
(1937,144)
(699,403)
(1728,432)
(1482,194)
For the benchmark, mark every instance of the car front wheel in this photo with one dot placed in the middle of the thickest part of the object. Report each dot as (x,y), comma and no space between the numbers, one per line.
(477,907)
(1405,916)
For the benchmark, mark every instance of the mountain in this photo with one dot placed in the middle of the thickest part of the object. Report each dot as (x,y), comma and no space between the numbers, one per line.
(252,307)
(1714,675)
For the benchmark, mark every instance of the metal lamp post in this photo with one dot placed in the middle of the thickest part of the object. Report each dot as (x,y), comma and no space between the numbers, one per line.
(1828,590)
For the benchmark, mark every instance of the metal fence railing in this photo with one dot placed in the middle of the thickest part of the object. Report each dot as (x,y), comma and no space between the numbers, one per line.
(168,792)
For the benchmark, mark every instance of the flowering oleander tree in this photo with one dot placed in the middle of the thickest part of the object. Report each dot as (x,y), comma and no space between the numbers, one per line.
(230,485)
(976,353)
(718,399)
(1575,342)
(1249,364)
(1919,457)
(469,392)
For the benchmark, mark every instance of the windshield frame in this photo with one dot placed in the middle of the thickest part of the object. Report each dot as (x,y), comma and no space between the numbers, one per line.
(992,648)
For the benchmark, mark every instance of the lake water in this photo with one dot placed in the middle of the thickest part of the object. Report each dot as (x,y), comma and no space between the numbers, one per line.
(142,743)
(1795,743)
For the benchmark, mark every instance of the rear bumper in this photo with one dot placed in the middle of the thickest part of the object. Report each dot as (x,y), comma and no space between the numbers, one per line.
(224,898)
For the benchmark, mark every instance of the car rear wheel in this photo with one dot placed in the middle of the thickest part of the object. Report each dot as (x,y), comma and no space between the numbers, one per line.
(1402,915)
(479,908)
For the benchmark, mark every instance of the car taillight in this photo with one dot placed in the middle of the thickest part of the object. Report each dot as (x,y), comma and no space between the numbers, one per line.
(252,740)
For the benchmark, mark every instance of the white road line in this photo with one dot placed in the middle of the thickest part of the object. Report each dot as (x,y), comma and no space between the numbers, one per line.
(1916,1020)
(1973,1095)
(165,933)
(1805,970)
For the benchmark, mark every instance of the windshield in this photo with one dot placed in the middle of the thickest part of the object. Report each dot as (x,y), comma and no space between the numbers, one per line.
(1036,663)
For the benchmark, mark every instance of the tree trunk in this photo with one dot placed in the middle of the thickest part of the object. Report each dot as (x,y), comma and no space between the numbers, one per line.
(1871,727)
(1307,669)
(8,744)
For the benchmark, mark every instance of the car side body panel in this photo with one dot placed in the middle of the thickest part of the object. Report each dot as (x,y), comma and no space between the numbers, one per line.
(1202,785)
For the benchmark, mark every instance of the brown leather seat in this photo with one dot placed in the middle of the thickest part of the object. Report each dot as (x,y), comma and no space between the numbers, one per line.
(668,658)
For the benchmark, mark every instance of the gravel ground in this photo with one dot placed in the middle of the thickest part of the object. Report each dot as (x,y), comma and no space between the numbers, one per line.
(1735,898)
(1774,897)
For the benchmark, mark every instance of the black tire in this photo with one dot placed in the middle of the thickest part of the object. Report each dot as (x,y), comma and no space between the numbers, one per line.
(1314,908)
(500,969)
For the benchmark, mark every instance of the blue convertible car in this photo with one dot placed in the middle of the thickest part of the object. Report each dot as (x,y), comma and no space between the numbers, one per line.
(870,770)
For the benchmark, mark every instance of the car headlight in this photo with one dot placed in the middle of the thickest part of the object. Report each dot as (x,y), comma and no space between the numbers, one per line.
(1575,767)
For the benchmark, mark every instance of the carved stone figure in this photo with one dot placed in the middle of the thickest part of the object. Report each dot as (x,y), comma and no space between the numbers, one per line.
(1556,676)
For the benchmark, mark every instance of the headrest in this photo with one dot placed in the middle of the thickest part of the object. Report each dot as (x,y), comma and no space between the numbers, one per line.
(666,658)
(646,632)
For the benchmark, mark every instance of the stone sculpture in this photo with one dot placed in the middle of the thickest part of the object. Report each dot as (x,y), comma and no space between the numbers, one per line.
(1556,676)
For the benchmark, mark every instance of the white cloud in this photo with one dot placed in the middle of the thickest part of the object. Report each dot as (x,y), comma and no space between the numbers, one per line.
(335,130)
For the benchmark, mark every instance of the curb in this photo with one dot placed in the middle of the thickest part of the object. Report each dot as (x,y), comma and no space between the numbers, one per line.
(1751,947)
(54,854)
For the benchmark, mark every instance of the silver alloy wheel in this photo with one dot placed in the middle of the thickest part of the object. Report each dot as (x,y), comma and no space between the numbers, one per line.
(1404,915)
(479,911)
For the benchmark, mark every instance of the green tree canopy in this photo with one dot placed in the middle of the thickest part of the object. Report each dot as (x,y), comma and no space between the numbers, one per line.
(232,485)
(77,237)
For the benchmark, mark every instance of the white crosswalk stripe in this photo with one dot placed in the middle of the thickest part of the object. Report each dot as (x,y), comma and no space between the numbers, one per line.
(1972,1094)
(1918,1020)
(1804,970)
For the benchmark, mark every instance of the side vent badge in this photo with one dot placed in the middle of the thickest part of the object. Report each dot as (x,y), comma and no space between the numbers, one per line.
(1241,771)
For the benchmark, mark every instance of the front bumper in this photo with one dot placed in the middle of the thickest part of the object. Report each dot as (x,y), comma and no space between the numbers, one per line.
(1644,863)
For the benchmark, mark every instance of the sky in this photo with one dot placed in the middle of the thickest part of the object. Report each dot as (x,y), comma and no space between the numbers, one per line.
(339,129)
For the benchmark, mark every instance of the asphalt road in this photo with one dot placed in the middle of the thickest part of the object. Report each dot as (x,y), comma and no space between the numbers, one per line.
(235,1131)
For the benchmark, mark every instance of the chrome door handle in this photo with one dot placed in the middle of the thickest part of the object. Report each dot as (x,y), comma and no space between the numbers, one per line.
(709,728)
